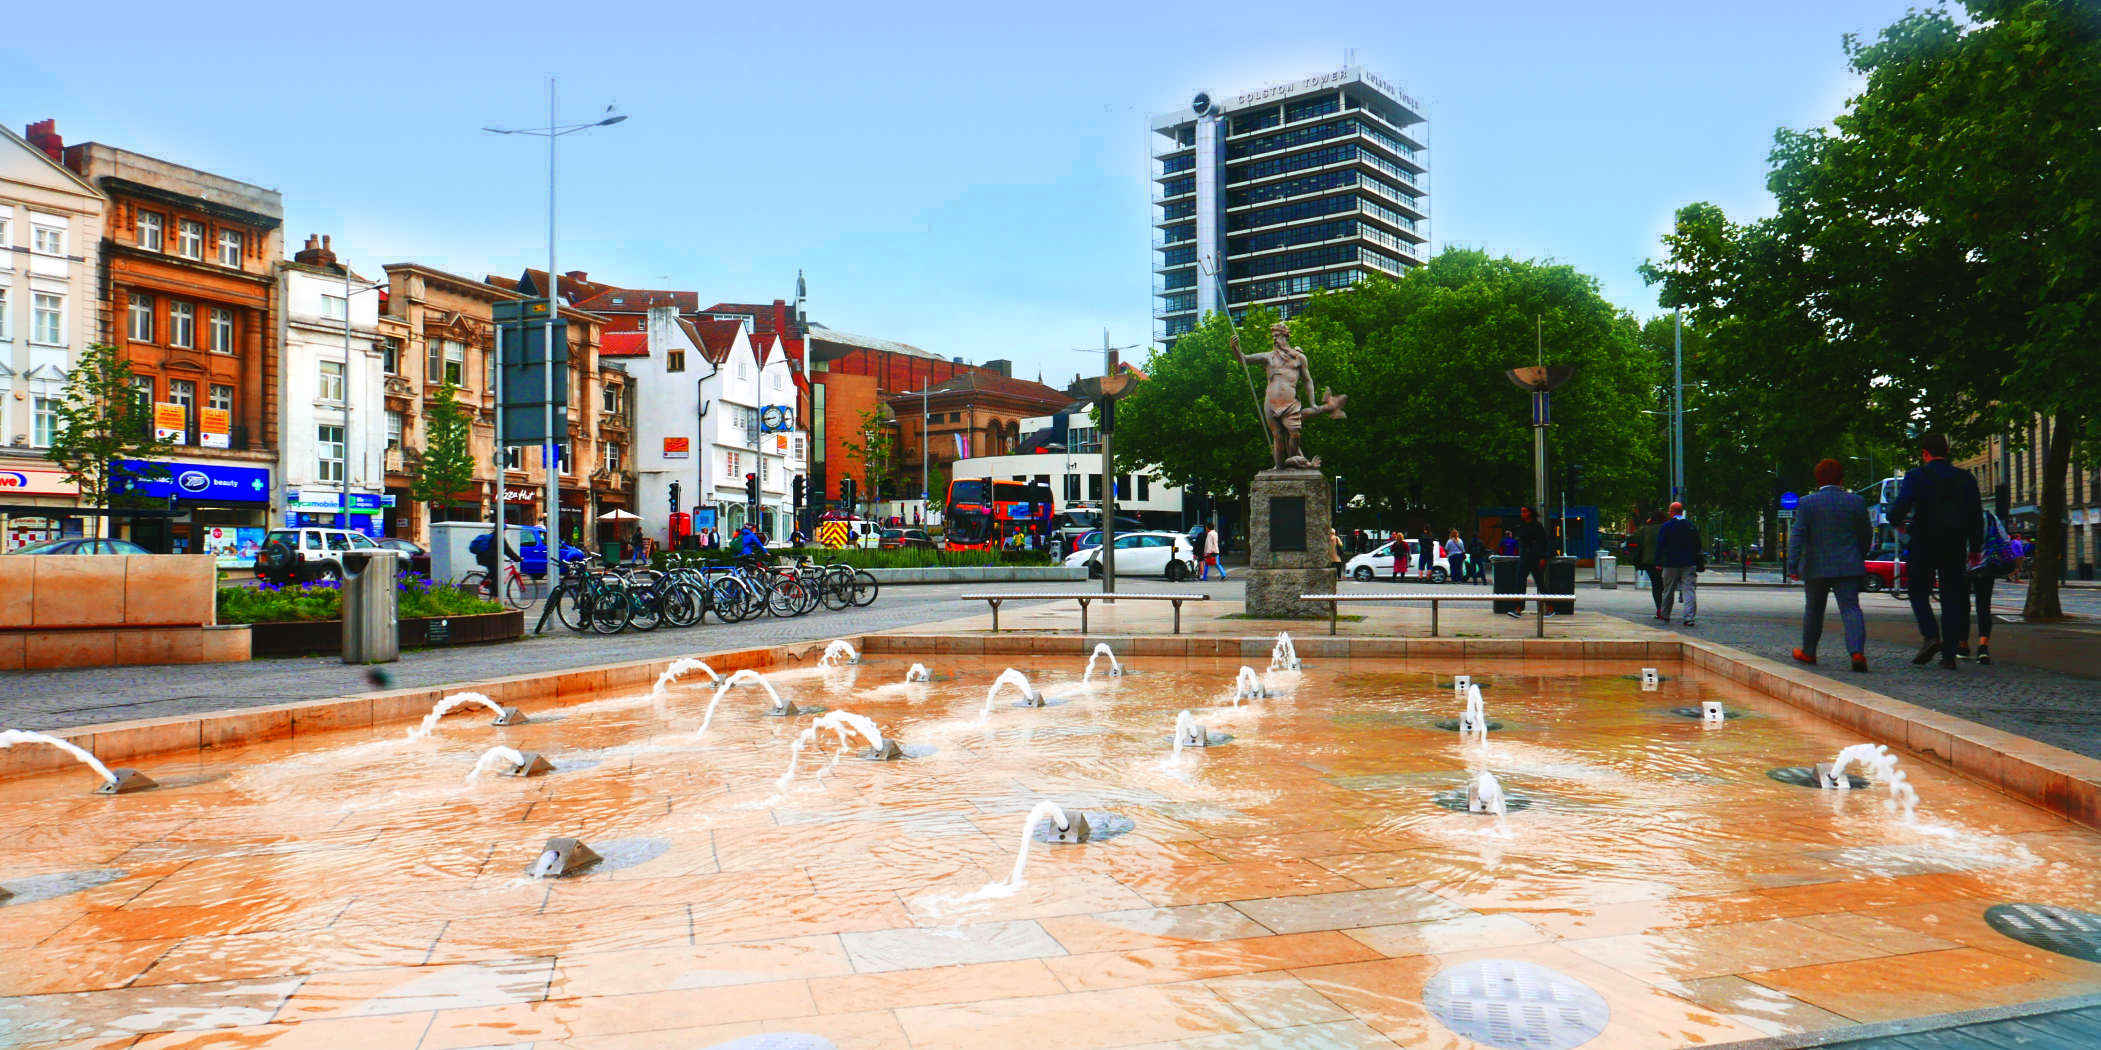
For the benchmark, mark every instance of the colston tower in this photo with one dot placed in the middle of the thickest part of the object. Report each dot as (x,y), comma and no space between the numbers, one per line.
(1314,184)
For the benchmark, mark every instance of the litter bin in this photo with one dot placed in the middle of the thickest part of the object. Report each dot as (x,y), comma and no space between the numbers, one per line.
(2086,570)
(1507,572)
(371,613)
(1561,579)
(1608,572)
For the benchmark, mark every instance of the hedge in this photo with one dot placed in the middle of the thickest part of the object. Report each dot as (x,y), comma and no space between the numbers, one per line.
(275,603)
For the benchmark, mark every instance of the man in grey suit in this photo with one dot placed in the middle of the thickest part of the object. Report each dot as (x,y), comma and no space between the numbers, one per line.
(1828,549)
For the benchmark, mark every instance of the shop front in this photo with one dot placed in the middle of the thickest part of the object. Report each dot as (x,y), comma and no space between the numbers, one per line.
(34,503)
(224,509)
(366,512)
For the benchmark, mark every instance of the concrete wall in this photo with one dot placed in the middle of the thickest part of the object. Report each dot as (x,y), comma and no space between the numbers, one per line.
(98,610)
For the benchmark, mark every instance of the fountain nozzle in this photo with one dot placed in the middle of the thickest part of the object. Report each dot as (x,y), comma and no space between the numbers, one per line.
(1074,832)
(887,751)
(563,857)
(124,782)
(533,764)
(509,716)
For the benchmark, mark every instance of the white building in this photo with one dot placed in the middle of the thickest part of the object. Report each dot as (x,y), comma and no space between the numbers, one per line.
(712,404)
(50,252)
(1075,474)
(333,427)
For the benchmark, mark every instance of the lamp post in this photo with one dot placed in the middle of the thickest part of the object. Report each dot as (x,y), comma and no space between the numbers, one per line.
(550,454)
(343,497)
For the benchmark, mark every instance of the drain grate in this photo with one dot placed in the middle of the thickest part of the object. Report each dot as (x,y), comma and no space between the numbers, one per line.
(2065,931)
(629,853)
(1516,1005)
(1100,826)
(44,887)
(1451,725)
(1805,777)
(1456,800)
(1695,714)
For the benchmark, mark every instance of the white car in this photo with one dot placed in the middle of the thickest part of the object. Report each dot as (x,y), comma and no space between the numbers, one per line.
(1163,554)
(1378,564)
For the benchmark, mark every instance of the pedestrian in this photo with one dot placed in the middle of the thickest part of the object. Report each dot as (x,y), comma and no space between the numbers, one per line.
(1211,555)
(1939,508)
(1335,552)
(1455,556)
(1998,558)
(1678,552)
(1828,549)
(1403,548)
(1646,542)
(1425,551)
(1533,550)
(1477,561)
(1508,545)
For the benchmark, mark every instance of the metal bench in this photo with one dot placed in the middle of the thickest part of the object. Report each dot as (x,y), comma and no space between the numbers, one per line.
(1084,597)
(1539,604)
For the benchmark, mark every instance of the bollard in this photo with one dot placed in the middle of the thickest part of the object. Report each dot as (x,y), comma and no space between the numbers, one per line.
(371,610)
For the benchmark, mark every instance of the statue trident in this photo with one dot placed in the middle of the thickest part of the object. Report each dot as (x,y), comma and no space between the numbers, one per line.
(1287,370)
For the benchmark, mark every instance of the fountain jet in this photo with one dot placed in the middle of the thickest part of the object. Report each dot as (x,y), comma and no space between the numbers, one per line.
(1029,696)
(880,749)
(1188,733)
(672,673)
(1903,798)
(918,674)
(1285,657)
(1473,722)
(838,651)
(780,707)
(1101,650)
(1248,686)
(113,781)
(505,716)
(1484,794)
(510,762)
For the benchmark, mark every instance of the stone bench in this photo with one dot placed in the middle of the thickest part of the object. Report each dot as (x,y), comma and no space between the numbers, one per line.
(1539,604)
(1084,597)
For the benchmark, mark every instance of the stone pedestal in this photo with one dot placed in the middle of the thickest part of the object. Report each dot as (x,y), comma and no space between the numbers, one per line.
(1288,526)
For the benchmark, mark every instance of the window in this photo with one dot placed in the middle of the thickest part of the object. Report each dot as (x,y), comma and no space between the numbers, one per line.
(142,386)
(328,452)
(609,398)
(4,226)
(48,240)
(394,427)
(448,362)
(1072,488)
(221,397)
(674,360)
(765,469)
(184,392)
(612,458)
(222,330)
(514,457)
(729,462)
(567,467)
(331,387)
(189,239)
(149,231)
(1145,486)
(390,356)
(140,312)
(3,316)
(230,244)
(47,321)
(44,421)
(955,417)
(799,450)
(776,380)
(744,370)
(334,307)
(182,324)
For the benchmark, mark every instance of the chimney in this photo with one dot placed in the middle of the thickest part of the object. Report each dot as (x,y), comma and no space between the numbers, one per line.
(1000,366)
(44,135)
(316,253)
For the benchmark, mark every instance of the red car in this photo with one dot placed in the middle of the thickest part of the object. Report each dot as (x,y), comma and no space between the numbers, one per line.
(1882,575)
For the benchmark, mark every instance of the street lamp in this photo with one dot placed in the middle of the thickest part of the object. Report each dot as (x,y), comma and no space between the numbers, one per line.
(549,454)
(925,478)
(343,498)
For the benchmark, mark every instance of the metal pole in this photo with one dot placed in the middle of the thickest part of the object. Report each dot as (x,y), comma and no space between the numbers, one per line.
(1539,450)
(925,478)
(1677,404)
(551,454)
(343,497)
(1108,471)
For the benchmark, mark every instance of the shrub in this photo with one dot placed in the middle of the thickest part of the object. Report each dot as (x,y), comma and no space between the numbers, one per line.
(275,603)
(863,558)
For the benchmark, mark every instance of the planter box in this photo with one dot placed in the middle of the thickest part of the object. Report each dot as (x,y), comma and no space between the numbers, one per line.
(304,637)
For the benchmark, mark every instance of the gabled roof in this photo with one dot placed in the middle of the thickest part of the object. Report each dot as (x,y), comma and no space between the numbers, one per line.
(624,344)
(572,291)
(994,385)
(639,300)
(715,338)
(79,183)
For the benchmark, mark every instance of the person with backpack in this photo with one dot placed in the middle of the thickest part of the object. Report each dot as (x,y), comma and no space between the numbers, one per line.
(1827,549)
(1939,507)
(1998,558)
(1645,559)
(483,547)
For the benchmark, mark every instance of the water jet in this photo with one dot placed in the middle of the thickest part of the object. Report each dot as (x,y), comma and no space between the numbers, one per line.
(781,707)
(1029,696)
(683,666)
(1101,650)
(113,781)
(837,653)
(510,762)
(918,673)
(1248,686)
(1285,656)
(1484,794)
(505,716)
(1188,733)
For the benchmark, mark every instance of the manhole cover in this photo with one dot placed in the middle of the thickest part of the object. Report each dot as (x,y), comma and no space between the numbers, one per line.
(1805,777)
(44,887)
(1456,800)
(1100,826)
(1695,713)
(628,853)
(1451,725)
(2051,928)
(1518,1005)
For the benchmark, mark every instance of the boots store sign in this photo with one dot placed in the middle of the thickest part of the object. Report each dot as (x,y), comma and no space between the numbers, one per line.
(197,482)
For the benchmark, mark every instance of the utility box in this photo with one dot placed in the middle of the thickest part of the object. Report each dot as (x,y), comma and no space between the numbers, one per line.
(371,610)
(1507,573)
(1608,572)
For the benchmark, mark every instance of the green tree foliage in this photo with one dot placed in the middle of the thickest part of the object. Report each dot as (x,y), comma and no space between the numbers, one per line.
(874,444)
(448,451)
(1934,259)
(1194,419)
(103,420)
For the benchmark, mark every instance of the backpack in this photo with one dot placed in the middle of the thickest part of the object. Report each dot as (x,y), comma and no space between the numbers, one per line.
(1999,556)
(479,545)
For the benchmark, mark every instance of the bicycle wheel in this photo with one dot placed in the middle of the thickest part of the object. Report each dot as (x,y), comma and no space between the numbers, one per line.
(811,588)
(836,590)
(753,597)
(472,580)
(725,599)
(570,604)
(645,607)
(610,608)
(531,589)
(865,588)
(784,598)
(514,592)
(682,604)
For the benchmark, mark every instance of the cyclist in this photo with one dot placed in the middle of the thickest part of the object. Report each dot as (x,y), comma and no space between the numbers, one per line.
(484,551)
(751,547)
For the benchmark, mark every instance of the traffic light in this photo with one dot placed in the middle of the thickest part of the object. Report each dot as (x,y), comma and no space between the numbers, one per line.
(751,488)
(797,489)
(1575,477)
(674,496)
(1342,495)
(846,491)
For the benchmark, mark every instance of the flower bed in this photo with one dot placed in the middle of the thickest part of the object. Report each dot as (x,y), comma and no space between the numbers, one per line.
(273,603)
(864,558)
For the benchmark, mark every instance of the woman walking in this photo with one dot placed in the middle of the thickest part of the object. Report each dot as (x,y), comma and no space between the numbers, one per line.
(1997,559)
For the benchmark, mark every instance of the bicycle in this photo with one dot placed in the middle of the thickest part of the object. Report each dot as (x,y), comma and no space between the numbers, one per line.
(519,590)
(586,600)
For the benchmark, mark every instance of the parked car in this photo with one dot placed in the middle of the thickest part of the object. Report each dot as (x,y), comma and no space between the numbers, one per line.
(305,554)
(1163,554)
(81,545)
(897,539)
(414,558)
(1377,564)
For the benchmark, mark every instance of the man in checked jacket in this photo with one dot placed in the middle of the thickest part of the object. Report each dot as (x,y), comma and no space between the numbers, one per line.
(1828,549)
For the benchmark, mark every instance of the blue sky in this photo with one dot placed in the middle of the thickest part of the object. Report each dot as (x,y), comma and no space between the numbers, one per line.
(969,181)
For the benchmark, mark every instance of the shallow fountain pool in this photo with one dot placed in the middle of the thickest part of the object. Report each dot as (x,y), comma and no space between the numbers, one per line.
(1314,876)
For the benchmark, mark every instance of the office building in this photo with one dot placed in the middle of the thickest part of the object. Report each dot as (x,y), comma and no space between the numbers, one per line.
(1292,189)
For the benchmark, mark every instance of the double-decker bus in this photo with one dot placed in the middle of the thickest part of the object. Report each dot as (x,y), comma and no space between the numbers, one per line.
(979,511)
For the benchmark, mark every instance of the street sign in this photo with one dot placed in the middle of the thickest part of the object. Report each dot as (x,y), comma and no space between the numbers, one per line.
(523,357)
(1789,501)
(1787,515)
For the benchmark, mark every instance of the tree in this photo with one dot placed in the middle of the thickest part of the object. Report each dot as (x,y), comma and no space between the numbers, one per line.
(1934,258)
(104,424)
(448,453)
(1193,420)
(874,443)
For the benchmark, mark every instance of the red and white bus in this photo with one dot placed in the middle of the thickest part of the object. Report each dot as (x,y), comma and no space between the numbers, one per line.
(979,512)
